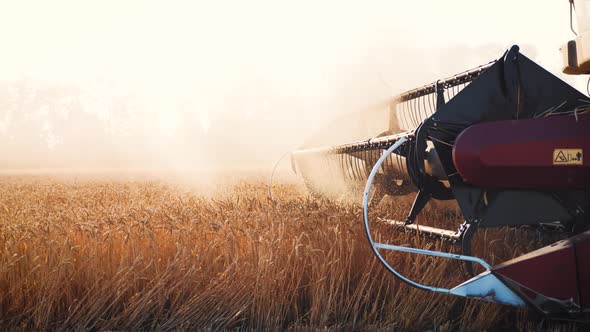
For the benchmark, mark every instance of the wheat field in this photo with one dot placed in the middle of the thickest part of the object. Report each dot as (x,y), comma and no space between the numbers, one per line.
(104,254)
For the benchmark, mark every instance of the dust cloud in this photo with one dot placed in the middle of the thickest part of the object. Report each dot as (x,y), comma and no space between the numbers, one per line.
(182,87)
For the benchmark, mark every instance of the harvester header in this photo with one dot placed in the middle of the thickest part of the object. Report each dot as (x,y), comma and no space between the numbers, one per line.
(506,140)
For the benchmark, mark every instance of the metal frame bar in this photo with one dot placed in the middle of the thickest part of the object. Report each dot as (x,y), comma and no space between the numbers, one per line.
(485,286)
(375,246)
(379,143)
(446,83)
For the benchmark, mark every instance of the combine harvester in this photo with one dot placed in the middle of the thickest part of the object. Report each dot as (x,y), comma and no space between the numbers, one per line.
(507,141)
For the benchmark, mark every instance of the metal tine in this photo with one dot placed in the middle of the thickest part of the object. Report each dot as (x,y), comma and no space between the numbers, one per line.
(418,111)
(425,108)
(376,155)
(385,164)
(415,112)
(397,162)
(391,167)
(408,115)
(364,165)
(402,112)
(399,113)
(359,166)
(368,163)
(388,165)
(404,108)
(384,168)
(343,169)
(354,166)
(347,166)
(351,169)
(392,164)
(411,110)
(428,99)
(409,123)
(339,166)
(368,159)
(410,118)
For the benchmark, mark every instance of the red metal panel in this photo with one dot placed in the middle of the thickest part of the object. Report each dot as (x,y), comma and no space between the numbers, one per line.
(520,153)
(560,270)
(553,273)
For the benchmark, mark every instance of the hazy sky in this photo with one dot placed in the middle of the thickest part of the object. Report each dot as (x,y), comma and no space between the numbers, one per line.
(281,63)
(125,40)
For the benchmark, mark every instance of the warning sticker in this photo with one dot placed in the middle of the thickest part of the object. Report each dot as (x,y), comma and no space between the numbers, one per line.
(568,157)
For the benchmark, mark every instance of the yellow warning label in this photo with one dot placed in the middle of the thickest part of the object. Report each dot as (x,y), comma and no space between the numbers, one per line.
(568,157)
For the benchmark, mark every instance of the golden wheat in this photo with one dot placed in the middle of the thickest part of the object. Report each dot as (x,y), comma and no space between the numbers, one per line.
(145,255)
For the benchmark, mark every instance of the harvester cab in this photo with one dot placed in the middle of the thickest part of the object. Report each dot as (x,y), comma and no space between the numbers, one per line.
(507,141)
